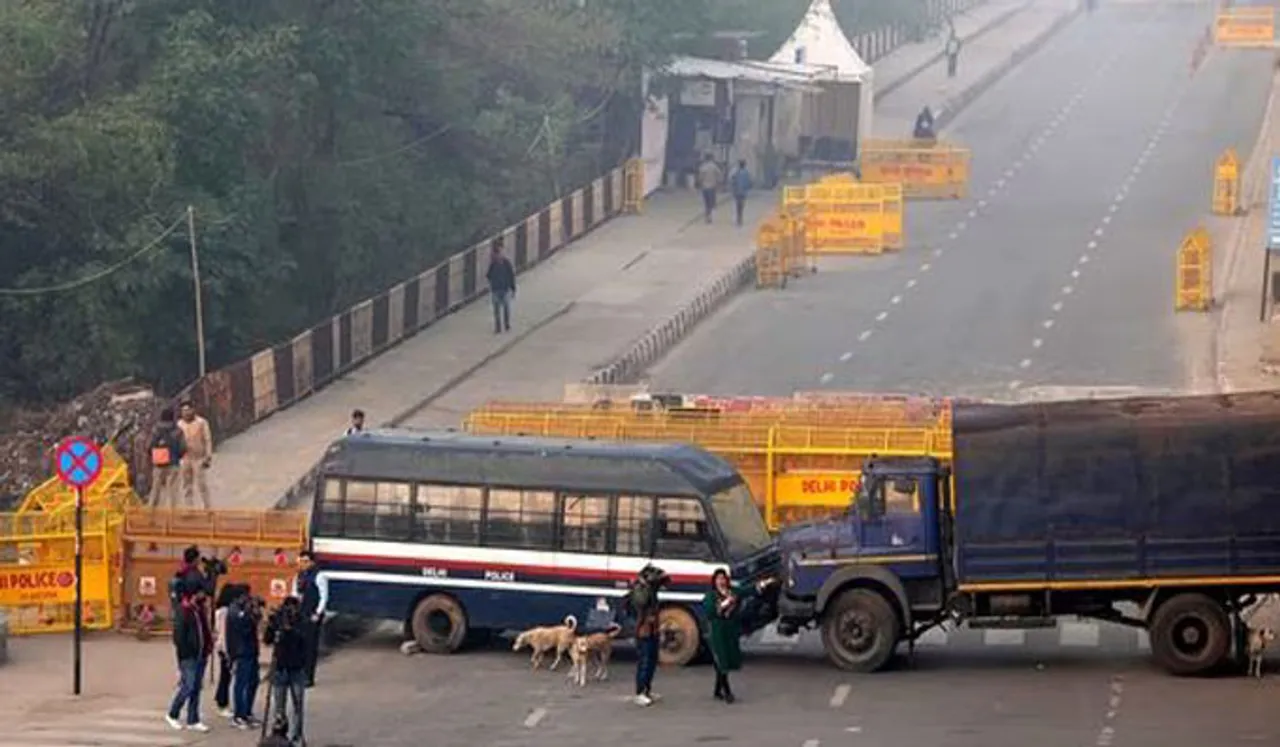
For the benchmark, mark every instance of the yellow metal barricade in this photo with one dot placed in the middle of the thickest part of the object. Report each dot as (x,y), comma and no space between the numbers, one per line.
(1226,184)
(841,216)
(633,186)
(112,491)
(771,270)
(37,571)
(925,169)
(1245,27)
(893,213)
(795,258)
(1194,285)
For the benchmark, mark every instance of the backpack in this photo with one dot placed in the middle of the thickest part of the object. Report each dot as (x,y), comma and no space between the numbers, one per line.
(162,449)
(643,594)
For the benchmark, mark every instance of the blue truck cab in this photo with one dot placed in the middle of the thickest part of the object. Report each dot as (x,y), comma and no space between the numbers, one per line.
(1159,513)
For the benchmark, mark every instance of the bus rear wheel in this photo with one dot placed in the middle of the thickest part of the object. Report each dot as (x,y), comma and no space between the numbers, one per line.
(678,636)
(439,624)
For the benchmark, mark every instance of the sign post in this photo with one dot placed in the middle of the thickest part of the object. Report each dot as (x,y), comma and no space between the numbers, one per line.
(78,462)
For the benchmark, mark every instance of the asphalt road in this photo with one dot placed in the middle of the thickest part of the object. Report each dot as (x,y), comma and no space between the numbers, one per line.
(370,694)
(1090,162)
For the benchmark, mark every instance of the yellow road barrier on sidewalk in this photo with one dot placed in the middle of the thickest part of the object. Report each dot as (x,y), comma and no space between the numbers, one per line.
(1245,27)
(1193,290)
(844,217)
(1226,184)
(925,169)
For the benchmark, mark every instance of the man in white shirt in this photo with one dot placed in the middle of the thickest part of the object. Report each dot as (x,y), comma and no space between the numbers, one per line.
(357,423)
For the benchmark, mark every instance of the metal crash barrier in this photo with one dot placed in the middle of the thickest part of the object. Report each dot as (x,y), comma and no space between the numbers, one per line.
(1226,184)
(1245,27)
(37,571)
(842,216)
(1194,284)
(925,169)
(801,459)
(260,548)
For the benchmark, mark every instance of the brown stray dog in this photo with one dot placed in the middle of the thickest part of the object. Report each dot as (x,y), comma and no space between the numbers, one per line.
(596,647)
(1259,638)
(543,639)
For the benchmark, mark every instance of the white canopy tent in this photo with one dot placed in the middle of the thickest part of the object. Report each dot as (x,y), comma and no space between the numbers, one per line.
(820,42)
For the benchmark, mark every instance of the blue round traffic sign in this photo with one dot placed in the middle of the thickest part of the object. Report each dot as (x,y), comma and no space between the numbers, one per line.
(78,462)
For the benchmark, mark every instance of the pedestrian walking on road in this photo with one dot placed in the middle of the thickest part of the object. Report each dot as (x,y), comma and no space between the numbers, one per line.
(357,423)
(193,644)
(168,447)
(641,602)
(199,454)
(740,184)
(289,644)
(502,288)
(722,608)
(709,178)
(313,592)
(953,53)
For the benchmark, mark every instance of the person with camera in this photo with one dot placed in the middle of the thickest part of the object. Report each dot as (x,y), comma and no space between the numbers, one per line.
(313,592)
(286,634)
(243,617)
(641,602)
(193,644)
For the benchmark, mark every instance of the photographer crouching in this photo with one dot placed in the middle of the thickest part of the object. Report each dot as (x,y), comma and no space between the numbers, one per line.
(287,633)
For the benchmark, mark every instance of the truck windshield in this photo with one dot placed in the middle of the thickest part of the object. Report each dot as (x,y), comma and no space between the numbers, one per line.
(740,521)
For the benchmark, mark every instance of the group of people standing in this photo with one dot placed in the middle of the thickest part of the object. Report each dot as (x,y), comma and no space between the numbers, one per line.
(234,631)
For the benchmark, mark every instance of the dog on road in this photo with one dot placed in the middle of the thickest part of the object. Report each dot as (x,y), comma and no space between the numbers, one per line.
(594,648)
(546,638)
(1259,639)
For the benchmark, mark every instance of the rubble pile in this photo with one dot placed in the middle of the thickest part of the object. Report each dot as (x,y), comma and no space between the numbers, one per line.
(119,412)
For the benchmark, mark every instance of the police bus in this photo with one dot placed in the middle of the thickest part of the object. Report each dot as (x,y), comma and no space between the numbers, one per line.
(462,536)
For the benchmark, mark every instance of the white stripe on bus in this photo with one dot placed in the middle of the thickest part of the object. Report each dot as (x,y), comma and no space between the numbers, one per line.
(475,583)
(550,560)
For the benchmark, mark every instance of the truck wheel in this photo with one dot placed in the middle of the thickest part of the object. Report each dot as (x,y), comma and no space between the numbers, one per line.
(860,631)
(439,624)
(1190,635)
(678,636)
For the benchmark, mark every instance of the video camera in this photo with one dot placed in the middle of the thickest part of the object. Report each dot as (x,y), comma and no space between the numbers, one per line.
(213,567)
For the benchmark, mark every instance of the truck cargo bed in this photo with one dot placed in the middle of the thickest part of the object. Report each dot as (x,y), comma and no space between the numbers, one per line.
(1138,489)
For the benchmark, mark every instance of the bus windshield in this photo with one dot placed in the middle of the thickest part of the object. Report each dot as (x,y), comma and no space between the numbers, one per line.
(744,530)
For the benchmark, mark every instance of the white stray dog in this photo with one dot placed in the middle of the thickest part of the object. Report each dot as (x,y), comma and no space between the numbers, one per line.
(596,647)
(1259,638)
(543,639)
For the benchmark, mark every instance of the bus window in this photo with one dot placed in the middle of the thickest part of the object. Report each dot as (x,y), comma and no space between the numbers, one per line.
(682,530)
(358,506)
(586,524)
(448,514)
(393,518)
(635,519)
(330,509)
(520,518)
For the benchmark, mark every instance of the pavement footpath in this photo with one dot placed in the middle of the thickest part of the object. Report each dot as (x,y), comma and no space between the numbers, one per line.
(593,303)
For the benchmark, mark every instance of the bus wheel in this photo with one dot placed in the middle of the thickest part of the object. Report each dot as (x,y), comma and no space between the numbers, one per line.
(1190,635)
(439,624)
(860,631)
(678,636)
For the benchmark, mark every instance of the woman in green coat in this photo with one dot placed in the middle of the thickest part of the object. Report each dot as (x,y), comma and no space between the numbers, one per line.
(722,607)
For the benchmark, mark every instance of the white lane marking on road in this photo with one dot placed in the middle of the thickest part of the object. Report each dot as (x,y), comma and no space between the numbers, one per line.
(998,637)
(925,267)
(1024,363)
(1037,342)
(1066,290)
(953,236)
(895,300)
(1008,173)
(881,316)
(826,377)
(911,283)
(961,226)
(991,192)
(999,182)
(1106,219)
(847,355)
(840,695)
(982,203)
(1080,634)
(1018,163)
(1057,306)
(1099,231)
(811,743)
(1084,258)
(973,213)
(865,334)
(853,729)
(1015,384)
(937,252)
(535,717)
(1075,274)
(1048,324)
(1115,208)
(1121,195)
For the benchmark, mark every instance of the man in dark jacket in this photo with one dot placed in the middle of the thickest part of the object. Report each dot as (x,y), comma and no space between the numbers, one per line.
(193,644)
(313,593)
(502,288)
(167,449)
(288,664)
(641,602)
(243,616)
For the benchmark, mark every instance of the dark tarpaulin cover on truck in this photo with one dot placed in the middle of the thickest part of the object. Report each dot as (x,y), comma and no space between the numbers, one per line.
(530,463)
(1118,489)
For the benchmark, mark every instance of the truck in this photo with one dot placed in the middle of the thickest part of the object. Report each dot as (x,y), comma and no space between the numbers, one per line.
(1050,510)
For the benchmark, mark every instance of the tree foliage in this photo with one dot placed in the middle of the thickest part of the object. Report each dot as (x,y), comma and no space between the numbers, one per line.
(329,147)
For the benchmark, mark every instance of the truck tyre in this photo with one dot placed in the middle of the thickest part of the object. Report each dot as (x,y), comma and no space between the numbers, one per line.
(439,624)
(1190,635)
(678,636)
(860,631)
